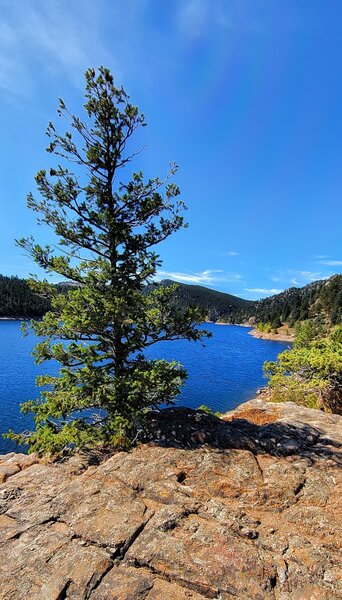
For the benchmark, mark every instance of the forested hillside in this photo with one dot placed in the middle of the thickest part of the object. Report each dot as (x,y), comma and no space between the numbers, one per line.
(321,301)
(218,306)
(18,300)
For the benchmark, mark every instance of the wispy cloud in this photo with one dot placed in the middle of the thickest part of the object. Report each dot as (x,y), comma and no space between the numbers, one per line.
(208,277)
(296,277)
(263,291)
(232,253)
(331,263)
(303,277)
(58,36)
(195,17)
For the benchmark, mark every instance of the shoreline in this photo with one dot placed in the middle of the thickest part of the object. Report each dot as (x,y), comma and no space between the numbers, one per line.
(281,336)
(273,337)
(231,324)
(16,318)
(234,324)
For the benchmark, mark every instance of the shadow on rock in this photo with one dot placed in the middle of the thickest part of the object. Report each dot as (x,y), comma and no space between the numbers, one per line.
(189,429)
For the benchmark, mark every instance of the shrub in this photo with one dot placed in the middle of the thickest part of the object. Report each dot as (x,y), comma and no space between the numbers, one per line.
(310,374)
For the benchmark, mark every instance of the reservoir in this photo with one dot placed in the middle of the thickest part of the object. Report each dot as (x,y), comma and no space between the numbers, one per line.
(224,372)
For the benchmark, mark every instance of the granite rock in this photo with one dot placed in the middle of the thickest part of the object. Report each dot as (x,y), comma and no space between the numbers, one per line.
(247,506)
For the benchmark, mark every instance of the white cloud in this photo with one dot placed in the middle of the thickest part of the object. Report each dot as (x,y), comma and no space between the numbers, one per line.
(232,253)
(208,277)
(296,277)
(303,277)
(263,290)
(331,263)
(308,274)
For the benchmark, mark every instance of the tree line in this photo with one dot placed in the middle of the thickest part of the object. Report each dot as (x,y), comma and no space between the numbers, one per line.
(17,299)
(320,301)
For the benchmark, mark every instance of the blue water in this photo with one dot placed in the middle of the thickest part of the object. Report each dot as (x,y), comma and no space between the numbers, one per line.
(224,373)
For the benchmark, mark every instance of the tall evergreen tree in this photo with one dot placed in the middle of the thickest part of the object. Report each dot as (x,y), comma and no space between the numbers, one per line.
(107,231)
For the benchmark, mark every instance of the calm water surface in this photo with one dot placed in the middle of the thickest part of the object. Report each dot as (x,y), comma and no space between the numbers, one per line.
(224,373)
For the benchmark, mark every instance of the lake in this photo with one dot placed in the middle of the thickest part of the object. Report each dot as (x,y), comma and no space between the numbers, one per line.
(224,373)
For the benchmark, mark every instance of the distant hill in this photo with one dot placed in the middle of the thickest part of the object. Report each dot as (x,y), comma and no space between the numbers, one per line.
(320,300)
(218,306)
(18,300)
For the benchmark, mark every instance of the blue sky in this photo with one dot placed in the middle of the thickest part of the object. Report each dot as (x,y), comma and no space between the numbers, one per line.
(245,95)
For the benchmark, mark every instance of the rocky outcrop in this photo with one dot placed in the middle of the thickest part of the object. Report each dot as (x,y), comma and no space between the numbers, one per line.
(282,334)
(248,507)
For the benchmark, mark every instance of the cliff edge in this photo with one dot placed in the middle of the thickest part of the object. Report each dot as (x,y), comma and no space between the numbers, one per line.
(248,506)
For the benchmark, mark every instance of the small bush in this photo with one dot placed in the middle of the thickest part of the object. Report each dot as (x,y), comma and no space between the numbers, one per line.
(209,411)
(310,373)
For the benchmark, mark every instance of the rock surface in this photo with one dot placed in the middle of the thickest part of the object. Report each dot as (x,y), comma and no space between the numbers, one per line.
(248,507)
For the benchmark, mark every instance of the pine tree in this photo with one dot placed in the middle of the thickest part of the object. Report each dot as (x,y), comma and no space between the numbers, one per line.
(107,232)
